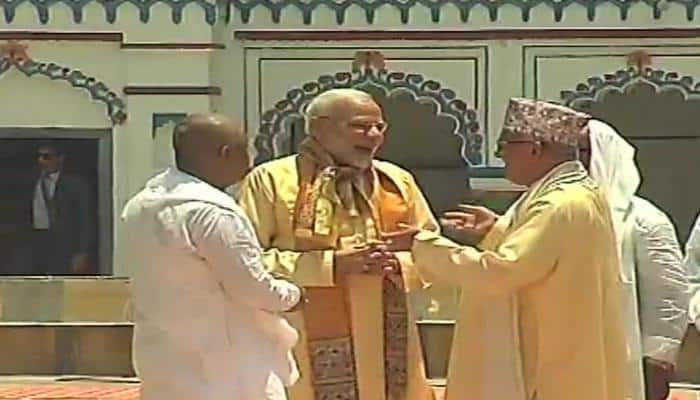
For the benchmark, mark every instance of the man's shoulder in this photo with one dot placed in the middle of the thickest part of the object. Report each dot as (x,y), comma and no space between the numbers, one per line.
(278,164)
(283,166)
(575,196)
(648,215)
(394,171)
(144,208)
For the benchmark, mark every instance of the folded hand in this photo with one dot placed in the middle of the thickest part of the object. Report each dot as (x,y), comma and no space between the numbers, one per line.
(372,258)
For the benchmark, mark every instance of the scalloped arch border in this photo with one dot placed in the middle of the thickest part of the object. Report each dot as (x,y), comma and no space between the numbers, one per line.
(111,7)
(464,6)
(116,108)
(214,10)
(423,90)
(596,87)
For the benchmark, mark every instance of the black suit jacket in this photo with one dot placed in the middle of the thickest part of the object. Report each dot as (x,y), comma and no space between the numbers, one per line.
(73,226)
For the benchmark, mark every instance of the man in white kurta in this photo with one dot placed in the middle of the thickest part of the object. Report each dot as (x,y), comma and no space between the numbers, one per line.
(206,314)
(654,277)
(553,255)
(692,264)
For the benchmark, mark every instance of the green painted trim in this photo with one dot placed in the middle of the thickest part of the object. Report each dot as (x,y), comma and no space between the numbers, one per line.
(487,172)
(111,7)
(161,119)
(116,108)
(465,7)
(215,10)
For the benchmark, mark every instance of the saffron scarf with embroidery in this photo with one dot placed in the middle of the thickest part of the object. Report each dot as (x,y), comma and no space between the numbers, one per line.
(324,186)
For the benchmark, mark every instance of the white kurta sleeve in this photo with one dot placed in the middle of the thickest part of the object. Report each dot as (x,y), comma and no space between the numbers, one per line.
(663,287)
(692,264)
(228,244)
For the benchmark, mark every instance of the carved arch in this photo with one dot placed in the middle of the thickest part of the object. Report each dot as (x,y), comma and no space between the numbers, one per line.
(665,134)
(116,108)
(595,88)
(274,121)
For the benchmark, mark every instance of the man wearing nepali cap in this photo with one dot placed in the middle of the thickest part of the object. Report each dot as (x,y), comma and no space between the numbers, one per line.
(541,311)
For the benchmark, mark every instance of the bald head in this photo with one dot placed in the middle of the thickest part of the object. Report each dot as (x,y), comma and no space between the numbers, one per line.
(202,135)
(204,142)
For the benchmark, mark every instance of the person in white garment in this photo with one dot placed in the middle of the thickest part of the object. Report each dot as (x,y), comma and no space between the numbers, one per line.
(207,321)
(655,279)
(692,263)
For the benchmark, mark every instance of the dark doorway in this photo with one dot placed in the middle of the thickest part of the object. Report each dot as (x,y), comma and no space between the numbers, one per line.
(19,173)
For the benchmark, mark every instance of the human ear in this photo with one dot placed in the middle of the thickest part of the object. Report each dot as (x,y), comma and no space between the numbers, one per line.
(224,151)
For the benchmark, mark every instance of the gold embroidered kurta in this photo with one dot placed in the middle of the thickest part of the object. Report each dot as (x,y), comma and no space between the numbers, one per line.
(269,195)
(556,254)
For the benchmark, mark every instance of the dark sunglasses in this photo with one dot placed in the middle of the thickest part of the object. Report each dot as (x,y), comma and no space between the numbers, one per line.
(46,156)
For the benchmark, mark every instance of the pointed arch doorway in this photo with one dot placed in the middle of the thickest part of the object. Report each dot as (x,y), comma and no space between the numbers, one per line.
(432,132)
(659,113)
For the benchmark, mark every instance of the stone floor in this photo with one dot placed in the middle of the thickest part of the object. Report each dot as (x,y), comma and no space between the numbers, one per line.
(66,388)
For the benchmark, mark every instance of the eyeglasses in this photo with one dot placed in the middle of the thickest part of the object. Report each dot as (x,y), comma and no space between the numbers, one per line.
(364,126)
(380,126)
(503,143)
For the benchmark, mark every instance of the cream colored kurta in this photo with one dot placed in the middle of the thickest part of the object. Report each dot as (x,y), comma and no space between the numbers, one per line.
(268,195)
(557,255)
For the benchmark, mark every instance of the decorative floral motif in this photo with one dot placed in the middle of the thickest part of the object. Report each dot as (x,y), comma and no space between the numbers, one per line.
(333,368)
(395,315)
(639,59)
(116,109)
(594,88)
(14,51)
(337,391)
(543,121)
(275,121)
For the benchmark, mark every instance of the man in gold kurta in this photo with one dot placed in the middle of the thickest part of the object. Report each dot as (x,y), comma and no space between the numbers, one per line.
(554,254)
(325,217)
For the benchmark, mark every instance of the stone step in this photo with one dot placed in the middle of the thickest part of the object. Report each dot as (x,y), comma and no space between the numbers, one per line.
(48,299)
(104,348)
(59,348)
(100,349)
(80,326)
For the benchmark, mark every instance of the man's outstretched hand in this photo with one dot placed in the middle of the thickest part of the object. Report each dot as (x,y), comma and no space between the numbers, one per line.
(473,221)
